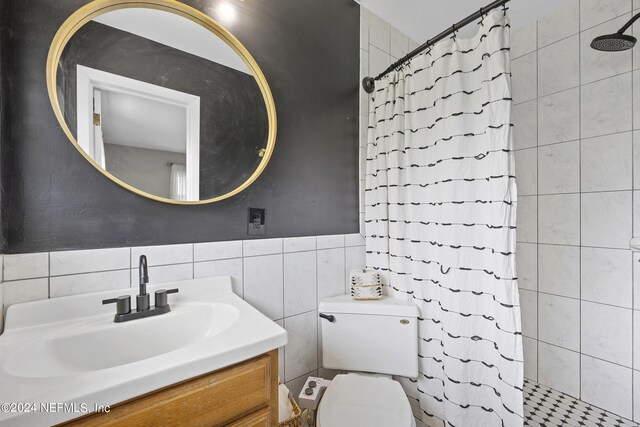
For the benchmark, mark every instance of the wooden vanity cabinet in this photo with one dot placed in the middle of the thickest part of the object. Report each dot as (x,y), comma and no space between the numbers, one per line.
(242,395)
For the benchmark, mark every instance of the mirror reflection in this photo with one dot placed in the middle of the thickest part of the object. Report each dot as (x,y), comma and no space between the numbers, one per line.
(163,104)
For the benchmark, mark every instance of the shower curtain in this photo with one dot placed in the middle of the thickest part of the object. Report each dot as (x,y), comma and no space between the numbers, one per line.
(178,182)
(440,216)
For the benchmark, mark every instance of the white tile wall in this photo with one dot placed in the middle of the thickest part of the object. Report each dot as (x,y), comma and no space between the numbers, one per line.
(284,278)
(579,282)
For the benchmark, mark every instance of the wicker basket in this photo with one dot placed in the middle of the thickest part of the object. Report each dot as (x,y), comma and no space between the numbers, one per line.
(296,420)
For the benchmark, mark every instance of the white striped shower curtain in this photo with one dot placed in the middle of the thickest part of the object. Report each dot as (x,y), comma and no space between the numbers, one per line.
(440,215)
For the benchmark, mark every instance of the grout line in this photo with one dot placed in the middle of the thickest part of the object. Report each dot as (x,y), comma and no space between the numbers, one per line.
(585,354)
(537,206)
(580,201)
(633,231)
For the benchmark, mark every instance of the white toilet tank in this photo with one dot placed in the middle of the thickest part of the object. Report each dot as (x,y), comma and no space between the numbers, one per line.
(379,336)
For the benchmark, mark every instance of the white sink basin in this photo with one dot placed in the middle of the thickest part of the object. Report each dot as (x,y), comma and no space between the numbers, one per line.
(96,345)
(69,350)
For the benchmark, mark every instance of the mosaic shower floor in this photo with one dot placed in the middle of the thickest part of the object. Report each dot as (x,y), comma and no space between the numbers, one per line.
(545,407)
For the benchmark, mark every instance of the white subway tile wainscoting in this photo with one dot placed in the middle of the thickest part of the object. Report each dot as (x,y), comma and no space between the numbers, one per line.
(283,278)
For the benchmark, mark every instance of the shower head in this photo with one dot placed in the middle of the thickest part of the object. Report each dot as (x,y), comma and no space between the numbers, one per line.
(616,42)
(613,42)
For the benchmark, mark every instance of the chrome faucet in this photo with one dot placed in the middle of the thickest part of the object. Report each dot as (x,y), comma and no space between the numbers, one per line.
(123,302)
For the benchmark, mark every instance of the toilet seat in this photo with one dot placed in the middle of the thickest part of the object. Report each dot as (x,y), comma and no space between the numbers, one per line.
(356,400)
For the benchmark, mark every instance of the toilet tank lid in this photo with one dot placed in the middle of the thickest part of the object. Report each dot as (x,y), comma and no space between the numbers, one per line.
(385,306)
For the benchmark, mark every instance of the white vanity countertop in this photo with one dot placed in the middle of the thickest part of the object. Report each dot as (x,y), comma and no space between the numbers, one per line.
(47,355)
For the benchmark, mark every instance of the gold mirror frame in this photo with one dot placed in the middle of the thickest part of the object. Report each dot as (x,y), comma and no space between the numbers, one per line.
(98,7)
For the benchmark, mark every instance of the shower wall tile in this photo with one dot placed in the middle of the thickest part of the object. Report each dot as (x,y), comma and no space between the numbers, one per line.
(605,106)
(554,311)
(399,43)
(606,385)
(636,340)
(594,12)
(524,72)
(636,394)
(529,313)
(559,117)
(364,64)
(559,270)
(636,281)
(527,264)
(527,171)
(587,280)
(559,219)
(365,17)
(525,131)
(636,160)
(530,350)
(527,212)
(563,23)
(558,66)
(379,32)
(606,276)
(606,162)
(379,60)
(635,31)
(559,368)
(636,98)
(523,40)
(597,65)
(561,166)
(606,333)
(606,219)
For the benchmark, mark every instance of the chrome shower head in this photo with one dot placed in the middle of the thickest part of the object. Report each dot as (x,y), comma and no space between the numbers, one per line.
(616,42)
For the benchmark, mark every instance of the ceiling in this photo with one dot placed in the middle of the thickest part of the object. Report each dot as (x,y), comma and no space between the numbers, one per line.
(183,35)
(137,121)
(423,19)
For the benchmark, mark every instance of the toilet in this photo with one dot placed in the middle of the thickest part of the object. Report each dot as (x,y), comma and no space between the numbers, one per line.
(372,340)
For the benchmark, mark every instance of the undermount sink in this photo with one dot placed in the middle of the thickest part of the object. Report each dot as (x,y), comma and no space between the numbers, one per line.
(70,350)
(97,344)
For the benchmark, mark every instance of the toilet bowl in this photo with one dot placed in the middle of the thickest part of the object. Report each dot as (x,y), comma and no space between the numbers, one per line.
(356,400)
(379,337)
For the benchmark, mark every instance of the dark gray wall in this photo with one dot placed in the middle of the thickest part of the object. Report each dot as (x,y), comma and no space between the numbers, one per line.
(233,117)
(53,199)
(144,168)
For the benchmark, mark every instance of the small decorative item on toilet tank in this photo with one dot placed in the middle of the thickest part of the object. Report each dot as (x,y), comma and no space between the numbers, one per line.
(365,284)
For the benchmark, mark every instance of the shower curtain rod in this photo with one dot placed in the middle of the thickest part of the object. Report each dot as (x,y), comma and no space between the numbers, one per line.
(368,83)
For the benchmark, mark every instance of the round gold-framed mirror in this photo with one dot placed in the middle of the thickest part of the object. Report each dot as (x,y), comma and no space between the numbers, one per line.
(252,151)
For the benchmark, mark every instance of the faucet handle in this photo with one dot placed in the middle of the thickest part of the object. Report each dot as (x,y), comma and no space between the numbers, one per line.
(161,296)
(123,303)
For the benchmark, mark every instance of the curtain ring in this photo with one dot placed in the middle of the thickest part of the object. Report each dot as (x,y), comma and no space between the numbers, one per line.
(454,31)
(482,14)
(504,9)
